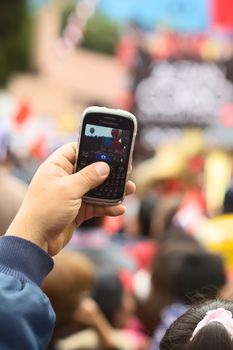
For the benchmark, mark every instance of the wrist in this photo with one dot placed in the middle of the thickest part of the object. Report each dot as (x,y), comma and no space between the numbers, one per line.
(22,229)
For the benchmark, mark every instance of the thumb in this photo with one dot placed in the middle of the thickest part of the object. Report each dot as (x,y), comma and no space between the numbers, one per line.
(89,177)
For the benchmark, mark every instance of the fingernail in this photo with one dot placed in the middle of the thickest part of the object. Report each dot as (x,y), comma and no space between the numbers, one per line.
(102,168)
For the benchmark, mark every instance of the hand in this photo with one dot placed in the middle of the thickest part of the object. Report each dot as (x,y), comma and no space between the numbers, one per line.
(88,312)
(53,207)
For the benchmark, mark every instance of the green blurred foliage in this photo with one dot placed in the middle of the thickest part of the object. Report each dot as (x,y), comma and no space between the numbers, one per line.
(101,34)
(14,38)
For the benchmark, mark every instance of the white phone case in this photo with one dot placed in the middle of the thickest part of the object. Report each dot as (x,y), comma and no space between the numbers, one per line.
(118,112)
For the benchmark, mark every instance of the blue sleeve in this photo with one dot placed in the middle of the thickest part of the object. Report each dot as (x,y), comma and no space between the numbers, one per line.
(26,315)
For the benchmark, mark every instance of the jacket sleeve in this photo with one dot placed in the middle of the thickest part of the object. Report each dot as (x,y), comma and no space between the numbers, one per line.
(26,315)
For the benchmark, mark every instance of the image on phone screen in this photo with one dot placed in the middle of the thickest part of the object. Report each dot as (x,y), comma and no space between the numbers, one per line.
(110,145)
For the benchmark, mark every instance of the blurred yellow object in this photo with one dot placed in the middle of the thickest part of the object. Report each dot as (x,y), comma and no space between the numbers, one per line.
(217,173)
(211,50)
(192,142)
(217,236)
(67,123)
(168,162)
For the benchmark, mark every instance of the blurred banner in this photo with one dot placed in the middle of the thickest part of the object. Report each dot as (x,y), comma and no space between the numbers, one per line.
(183,15)
(179,15)
(181,93)
(223,13)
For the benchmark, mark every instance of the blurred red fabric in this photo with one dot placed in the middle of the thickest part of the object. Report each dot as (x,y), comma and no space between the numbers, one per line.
(223,13)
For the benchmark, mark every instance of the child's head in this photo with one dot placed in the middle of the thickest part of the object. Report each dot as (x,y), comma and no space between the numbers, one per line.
(208,325)
(183,269)
(182,272)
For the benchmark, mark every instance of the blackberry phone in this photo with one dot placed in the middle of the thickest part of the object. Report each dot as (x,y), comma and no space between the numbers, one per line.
(107,135)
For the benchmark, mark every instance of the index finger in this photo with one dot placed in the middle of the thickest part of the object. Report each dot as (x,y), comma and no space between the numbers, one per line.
(67,151)
(64,157)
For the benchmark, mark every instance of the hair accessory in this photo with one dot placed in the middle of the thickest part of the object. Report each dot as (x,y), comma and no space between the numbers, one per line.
(218,315)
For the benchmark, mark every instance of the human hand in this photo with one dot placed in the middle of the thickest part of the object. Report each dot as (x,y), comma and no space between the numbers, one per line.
(53,207)
(88,312)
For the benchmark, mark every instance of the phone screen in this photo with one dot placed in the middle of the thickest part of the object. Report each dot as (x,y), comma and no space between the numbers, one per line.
(110,144)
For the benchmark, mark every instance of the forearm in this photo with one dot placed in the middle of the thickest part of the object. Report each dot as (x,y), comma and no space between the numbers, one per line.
(26,316)
(23,227)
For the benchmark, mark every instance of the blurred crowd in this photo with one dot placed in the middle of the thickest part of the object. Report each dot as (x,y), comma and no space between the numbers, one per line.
(121,282)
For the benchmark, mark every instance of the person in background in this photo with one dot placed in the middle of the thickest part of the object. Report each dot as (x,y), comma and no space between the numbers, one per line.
(51,210)
(208,325)
(115,301)
(109,314)
(147,306)
(182,272)
(73,276)
(139,246)
(154,217)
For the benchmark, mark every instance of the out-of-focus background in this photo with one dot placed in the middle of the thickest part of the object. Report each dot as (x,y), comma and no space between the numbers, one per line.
(169,62)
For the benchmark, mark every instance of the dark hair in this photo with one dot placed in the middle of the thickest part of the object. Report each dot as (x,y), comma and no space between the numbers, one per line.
(108,293)
(146,210)
(176,233)
(184,272)
(95,222)
(228,201)
(214,336)
(183,269)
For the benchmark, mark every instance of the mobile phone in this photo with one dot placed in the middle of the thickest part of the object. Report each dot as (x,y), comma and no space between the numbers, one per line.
(107,135)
